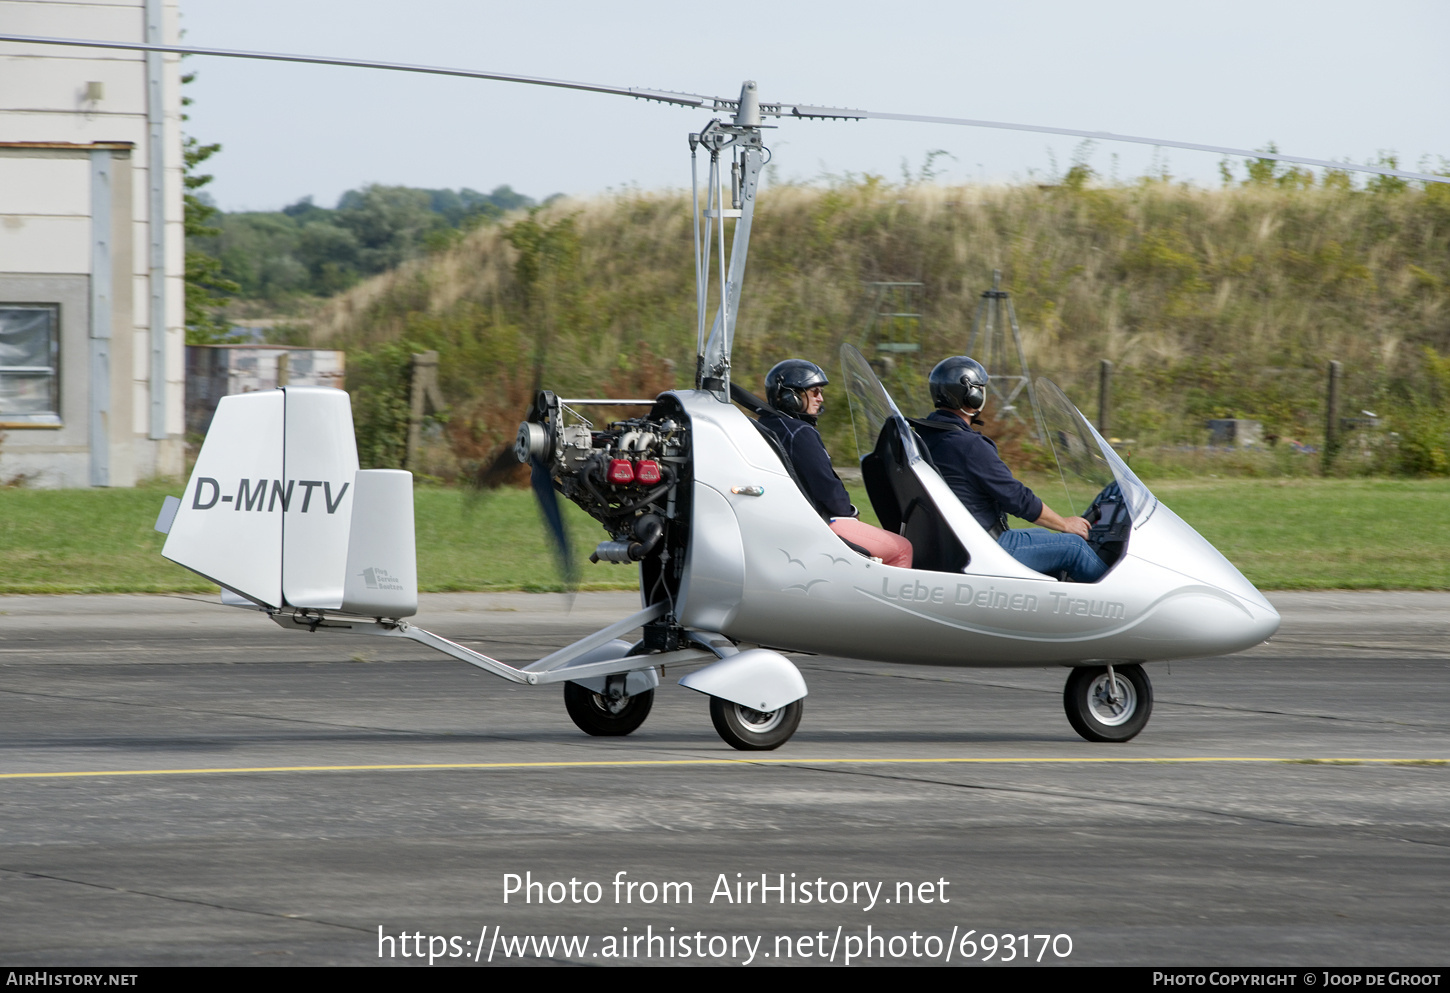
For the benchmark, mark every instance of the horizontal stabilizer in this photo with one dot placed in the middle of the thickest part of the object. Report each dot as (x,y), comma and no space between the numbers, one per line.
(381,579)
(169,506)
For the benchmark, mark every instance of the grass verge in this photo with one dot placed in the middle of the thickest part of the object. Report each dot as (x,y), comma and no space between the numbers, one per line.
(101,541)
(1289,534)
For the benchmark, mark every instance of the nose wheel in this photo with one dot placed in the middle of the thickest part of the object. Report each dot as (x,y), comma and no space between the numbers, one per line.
(754,730)
(606,716)
(1106,704)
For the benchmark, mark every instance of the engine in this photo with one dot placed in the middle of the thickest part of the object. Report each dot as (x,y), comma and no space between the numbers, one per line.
(626,475)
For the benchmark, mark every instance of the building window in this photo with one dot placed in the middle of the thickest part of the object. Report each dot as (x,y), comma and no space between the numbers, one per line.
(29,364)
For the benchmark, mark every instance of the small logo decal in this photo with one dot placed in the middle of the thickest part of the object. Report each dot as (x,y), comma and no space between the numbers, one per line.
(381,579)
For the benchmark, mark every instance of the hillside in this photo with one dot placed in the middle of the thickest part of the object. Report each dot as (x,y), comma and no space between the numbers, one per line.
(1211,303)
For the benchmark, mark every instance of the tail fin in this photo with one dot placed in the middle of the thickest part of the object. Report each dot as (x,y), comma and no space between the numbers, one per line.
(382,564)
(268,512)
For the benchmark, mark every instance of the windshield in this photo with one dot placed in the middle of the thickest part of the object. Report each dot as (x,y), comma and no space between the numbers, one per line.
(1086,463)
(871,405)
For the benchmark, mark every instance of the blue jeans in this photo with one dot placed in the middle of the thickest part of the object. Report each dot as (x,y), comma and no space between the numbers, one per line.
(1051,551)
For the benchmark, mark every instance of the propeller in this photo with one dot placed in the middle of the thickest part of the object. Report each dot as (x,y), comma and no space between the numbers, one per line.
(500,470)
(548,499)
(534,446)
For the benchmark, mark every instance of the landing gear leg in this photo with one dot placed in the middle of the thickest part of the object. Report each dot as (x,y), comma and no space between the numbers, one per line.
(1108,703)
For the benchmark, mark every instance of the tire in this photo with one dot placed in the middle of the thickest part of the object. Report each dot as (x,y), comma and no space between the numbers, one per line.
(1097,718)
(751,730)
(590,711)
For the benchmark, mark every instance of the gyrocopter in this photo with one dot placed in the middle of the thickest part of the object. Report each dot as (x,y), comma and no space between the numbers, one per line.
(736,567)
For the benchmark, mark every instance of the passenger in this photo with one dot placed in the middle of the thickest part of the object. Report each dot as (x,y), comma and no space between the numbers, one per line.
(969,463)
(794,390)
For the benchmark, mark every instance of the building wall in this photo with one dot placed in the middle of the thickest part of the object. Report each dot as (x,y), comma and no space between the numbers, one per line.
(50,130)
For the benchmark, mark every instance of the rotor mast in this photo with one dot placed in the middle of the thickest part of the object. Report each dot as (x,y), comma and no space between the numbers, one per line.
(743,139)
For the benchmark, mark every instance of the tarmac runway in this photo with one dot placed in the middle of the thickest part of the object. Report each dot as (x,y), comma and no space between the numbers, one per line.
(184,783)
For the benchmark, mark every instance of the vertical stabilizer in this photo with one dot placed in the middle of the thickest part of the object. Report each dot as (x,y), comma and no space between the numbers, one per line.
(278,512)
(314,495)
(222,528)
(382,564)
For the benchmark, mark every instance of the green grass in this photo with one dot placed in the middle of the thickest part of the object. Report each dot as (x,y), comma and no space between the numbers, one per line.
(1299,534)
(86,541)
(498,542)
(101,541)
(1324,534)
(1314,534)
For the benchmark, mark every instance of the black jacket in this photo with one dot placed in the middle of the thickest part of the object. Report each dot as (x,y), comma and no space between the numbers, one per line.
(802,442)
(969,463)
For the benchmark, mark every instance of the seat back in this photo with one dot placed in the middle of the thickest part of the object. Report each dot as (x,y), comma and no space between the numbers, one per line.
(903,505)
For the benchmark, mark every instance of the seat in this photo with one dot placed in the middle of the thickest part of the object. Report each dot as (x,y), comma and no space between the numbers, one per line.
(903,505)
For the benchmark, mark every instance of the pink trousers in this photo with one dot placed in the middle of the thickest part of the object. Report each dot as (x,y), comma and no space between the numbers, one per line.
(891,549)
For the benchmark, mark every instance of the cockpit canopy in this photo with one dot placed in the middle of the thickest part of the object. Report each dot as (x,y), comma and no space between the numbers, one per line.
(1086,463)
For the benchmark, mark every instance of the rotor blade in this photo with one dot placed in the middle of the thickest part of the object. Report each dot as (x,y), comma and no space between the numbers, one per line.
(1136,139)
(663,96)
(549,506)
(724,104)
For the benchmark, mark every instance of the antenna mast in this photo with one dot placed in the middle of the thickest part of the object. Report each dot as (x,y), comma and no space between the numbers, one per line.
(1007,368)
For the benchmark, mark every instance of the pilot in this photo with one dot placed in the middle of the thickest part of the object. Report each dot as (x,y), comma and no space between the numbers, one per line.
(969,463)
(794,390)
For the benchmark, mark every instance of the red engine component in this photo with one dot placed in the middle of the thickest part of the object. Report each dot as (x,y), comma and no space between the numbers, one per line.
(647,472)
(621,472)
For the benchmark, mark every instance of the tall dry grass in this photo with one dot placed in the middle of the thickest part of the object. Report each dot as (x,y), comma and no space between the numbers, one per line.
(1211,303)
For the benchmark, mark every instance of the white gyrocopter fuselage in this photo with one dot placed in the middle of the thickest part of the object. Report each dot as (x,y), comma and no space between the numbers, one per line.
(768,570)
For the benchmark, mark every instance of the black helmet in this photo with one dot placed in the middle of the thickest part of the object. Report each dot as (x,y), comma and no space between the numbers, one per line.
(786,384)
(959,383)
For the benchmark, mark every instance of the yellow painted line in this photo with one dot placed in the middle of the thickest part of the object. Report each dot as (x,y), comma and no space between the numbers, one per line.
(677,763)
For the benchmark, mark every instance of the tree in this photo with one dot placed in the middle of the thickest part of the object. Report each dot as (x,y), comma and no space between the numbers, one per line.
(389,223)
(204,278)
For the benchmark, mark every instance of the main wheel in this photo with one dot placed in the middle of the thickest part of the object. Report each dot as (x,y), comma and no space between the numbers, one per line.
(755,730)
(1099,714)
(595,714)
